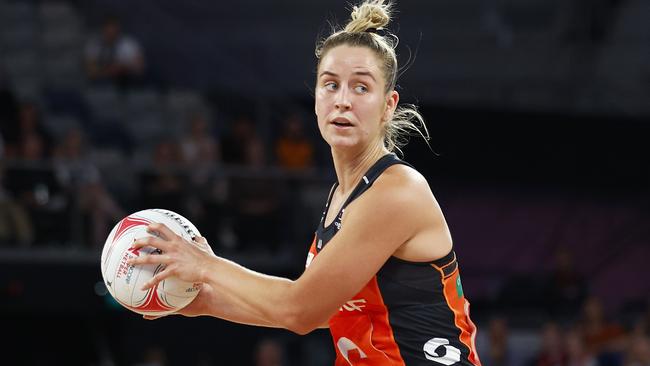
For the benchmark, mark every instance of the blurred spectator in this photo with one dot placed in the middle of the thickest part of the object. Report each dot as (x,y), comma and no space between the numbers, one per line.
(253,197)
(35,186)
(603,338)
(164,185)
(200,146)
(577,353)
(153,356)
(15,225)
(638,352)
(81,178)
(32,181)
(644,321)
(552,352)
(293,149)
(269,352)
(113,56)
(497,350)
(565,288)
(206,197)
(27,139)
(235,144)
(256,202)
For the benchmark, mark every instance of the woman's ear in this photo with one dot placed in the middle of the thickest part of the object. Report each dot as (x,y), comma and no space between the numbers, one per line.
(391,104)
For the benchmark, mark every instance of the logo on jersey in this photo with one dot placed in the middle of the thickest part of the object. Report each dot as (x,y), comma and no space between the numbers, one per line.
(349,350)
(338,220)
(354,305)
(459,287)
(438,350)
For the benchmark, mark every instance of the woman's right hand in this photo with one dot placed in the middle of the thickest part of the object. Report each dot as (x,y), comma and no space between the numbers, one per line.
(199,306)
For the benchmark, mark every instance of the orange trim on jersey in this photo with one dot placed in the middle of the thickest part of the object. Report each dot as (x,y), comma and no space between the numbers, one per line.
(368,333)
(312,252)
(384,325)
(312,247)
(472,337)
(460,307)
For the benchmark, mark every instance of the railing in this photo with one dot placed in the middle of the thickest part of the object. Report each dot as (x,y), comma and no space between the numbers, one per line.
(297,196)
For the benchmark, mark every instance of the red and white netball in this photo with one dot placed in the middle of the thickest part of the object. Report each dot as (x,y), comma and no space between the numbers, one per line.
(124,281)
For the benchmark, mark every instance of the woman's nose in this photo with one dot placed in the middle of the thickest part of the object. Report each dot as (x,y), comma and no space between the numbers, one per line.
(342,100)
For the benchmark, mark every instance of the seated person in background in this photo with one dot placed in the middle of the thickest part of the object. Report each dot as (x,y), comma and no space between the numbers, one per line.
(497,348)
(638,350)
(201,153)
(269,352)
(293,149)
(22,135)
(164,184)
(576,350)
(114,57)
(552,350)
(566,288)
(15,225)
(35,187)
(234,145)
(605,338)
(255,203)
(81,178)
(199,145)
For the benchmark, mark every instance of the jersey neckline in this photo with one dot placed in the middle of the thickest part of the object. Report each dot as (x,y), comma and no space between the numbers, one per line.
(362,183)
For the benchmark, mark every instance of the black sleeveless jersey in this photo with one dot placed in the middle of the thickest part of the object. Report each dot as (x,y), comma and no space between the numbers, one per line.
(410,313)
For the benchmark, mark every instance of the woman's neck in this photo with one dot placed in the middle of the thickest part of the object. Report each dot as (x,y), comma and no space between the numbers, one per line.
(350,166)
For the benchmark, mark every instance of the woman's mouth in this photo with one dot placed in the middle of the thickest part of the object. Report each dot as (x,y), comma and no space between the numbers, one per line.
(341,122)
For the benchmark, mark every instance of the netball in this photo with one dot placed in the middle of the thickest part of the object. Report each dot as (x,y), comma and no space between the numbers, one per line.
(124,281)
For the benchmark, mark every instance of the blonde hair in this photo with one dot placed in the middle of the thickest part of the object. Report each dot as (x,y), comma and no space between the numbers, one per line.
(366,28)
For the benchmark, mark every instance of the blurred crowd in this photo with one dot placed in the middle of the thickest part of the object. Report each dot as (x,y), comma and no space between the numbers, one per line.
(78,158)
(569,325)
(54,178)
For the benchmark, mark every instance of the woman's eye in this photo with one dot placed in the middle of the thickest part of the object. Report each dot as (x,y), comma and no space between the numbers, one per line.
(331,85)
(360,89)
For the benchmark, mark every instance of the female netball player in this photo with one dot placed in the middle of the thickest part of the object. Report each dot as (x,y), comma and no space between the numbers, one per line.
(381,273)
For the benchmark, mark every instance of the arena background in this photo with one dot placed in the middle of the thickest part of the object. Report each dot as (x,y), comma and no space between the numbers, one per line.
(538,113)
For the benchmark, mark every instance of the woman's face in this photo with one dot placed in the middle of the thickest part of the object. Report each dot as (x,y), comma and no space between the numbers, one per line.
(351,102)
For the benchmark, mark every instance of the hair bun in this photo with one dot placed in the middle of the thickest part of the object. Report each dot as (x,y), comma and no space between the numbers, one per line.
(372,14)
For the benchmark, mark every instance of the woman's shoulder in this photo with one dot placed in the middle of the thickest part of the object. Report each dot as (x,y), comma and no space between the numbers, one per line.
(402,176)
(401,183)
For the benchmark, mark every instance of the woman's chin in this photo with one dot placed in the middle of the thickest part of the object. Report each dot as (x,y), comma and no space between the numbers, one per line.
(343,147)
(342,142)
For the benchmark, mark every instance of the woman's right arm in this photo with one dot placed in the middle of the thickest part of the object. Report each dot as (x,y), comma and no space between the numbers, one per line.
(372,233)
(211,303)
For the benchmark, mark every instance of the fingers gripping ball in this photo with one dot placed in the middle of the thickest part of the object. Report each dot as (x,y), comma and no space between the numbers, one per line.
(124,281)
